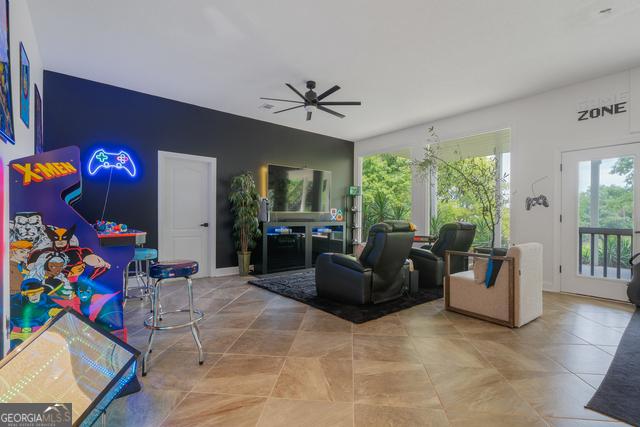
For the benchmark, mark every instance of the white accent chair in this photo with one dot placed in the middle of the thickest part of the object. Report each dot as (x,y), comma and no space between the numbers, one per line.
(516,297)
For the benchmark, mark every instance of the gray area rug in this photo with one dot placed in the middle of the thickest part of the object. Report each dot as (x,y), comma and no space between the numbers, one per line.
(301,286)
(619,394)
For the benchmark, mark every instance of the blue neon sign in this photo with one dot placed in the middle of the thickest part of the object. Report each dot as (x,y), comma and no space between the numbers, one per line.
(102,159)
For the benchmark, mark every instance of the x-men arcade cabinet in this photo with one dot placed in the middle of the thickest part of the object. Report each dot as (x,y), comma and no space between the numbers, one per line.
(56,259)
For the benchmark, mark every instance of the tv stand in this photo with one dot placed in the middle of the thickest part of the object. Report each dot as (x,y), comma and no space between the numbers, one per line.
(295,244)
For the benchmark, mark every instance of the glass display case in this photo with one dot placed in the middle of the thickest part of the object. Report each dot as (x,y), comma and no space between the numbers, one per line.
(68,361)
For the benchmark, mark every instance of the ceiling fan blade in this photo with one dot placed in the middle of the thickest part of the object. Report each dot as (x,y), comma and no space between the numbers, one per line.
(309,115)
(335,113)
(283,100)
(341,103)
(287,109)
(328,92)
(296,91)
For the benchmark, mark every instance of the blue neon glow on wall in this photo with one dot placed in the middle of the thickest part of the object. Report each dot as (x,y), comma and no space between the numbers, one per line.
(102,159)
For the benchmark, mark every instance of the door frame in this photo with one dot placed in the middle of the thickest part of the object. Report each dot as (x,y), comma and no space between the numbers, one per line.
(561,275)
(163,156)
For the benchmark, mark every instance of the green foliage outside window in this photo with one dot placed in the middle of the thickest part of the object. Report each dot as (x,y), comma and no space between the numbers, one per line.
(386,189)
(615,210)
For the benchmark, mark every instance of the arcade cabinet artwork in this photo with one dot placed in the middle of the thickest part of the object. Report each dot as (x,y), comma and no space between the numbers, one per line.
(56,257)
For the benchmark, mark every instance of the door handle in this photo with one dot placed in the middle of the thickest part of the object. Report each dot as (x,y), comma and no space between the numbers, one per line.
(204,224)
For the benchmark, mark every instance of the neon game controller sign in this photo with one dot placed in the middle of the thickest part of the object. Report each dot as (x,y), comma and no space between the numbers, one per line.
(102,159)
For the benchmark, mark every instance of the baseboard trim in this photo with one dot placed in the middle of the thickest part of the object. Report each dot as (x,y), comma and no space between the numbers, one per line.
(227,271)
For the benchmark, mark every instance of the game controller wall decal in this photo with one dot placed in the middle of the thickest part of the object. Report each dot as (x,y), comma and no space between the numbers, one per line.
(105,160)
(535,200)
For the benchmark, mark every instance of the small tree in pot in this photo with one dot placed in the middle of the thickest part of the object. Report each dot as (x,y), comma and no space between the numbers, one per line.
(245,204)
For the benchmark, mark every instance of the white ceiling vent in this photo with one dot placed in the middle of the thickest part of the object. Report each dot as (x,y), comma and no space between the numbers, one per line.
(266,106)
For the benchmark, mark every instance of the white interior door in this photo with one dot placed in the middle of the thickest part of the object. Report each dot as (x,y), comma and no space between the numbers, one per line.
(187,209)
(599,220)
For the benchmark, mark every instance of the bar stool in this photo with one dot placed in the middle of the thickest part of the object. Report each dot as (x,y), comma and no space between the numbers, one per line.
(168,270)
(141,255)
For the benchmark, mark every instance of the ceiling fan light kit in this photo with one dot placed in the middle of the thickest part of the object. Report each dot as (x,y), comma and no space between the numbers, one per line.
(311,101)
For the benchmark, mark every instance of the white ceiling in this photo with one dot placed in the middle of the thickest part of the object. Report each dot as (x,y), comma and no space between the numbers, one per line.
(408,61)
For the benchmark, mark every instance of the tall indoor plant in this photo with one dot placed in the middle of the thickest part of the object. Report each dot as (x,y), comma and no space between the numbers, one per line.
(245,204)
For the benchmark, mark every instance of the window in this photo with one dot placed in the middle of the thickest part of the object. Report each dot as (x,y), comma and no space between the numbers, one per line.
(466,164)
(386,189)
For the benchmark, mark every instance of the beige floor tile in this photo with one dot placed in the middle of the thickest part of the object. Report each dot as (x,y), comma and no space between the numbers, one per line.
(145,408)
(318,321)
(516,356)
(315,379)
(446,351)
(429,324)
(244,306)
(209,305)
(608,318)
(270,343)
(611,349)
(555,394)
(322,344)
(201,409)
(228,321)
(177,370)
(594,380)
(595,333)
(467,419)
(579,359)
(294,413)
(539,332)
(240,374)
(213,340)
(388,416)
(478,390)
(388,325)
(285,305)
(278,321)
(393,384)
(568,422)
(386,349)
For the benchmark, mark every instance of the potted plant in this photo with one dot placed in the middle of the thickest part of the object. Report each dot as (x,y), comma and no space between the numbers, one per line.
(475,176)
(245,204)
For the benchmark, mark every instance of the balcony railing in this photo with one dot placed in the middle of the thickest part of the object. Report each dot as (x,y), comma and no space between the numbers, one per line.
(593,234)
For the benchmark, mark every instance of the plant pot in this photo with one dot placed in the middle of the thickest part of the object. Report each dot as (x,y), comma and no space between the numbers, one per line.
(244,260)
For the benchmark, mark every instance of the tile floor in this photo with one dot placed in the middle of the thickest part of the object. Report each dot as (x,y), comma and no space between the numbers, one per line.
(271,361)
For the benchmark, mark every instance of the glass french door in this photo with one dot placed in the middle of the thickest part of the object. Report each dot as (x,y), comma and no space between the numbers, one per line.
(599,220)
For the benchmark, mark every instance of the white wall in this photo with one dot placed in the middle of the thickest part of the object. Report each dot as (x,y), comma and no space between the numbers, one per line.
(20,30)
(542,126)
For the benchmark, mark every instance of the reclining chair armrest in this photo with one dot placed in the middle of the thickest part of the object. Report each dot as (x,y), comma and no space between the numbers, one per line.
(346,261)
(423,253)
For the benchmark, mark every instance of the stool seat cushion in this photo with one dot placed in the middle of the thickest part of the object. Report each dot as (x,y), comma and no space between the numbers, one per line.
(143,254)
(177,268)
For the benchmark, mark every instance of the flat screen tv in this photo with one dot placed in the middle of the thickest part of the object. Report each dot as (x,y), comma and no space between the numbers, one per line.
(294,189)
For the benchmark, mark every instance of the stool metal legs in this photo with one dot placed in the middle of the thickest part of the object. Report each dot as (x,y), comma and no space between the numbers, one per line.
(153,322)
(195,331)
(142,279)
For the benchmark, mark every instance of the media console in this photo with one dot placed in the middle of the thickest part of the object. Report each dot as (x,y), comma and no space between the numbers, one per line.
(292,245)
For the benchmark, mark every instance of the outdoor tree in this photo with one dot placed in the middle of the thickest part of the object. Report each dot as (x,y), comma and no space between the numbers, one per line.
(467,188)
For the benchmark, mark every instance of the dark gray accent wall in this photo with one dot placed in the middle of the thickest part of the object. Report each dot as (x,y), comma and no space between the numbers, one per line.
(90,115)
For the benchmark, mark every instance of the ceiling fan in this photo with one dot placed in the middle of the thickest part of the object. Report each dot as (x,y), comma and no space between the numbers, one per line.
(312,100)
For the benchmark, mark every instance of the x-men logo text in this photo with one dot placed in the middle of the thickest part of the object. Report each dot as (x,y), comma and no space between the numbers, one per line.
(42,171)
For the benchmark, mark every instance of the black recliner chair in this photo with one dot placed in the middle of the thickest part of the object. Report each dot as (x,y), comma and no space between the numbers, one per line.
(429,260)
(376,276)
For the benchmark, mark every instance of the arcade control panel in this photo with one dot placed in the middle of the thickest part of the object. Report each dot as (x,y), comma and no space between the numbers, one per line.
(115,234)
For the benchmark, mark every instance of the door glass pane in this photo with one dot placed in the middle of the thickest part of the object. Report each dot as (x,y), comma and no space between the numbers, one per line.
(605,217)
